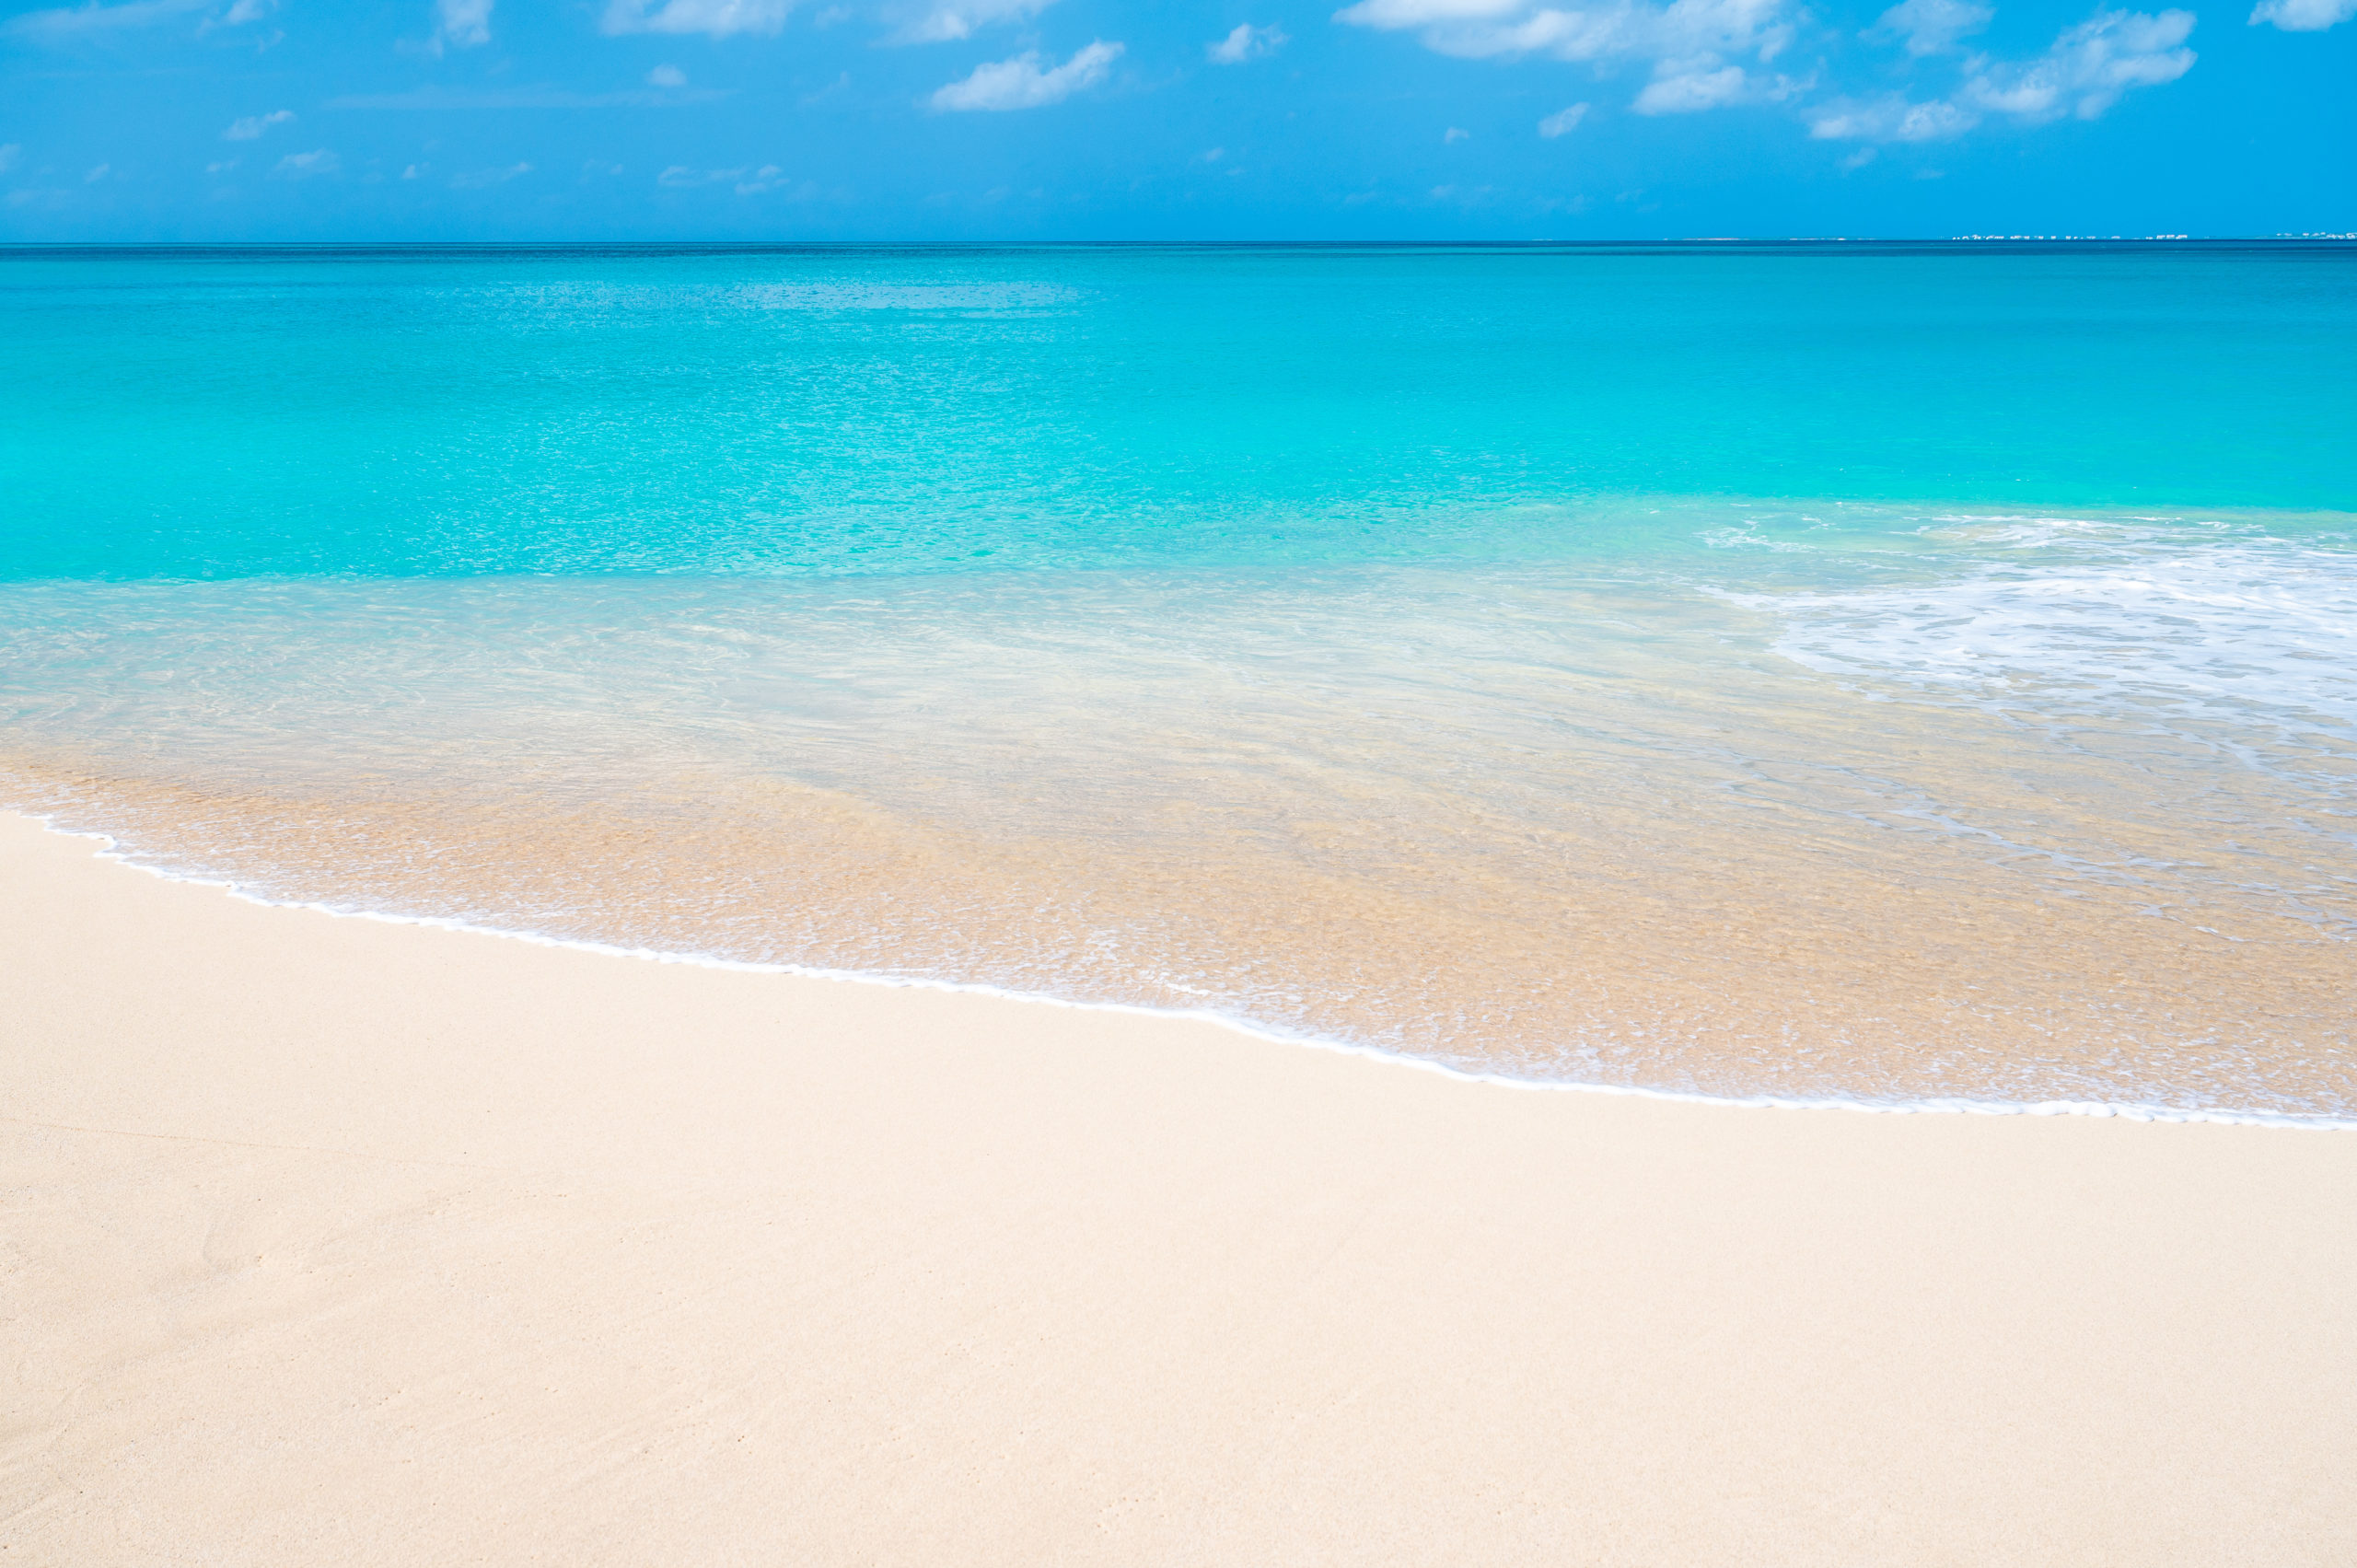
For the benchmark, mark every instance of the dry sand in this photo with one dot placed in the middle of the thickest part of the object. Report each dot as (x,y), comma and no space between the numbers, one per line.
(333,1241)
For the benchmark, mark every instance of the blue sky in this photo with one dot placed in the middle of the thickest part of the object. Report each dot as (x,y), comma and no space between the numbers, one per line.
(191,120)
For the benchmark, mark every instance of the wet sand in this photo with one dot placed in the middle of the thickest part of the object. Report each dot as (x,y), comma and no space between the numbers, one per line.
(336,1240)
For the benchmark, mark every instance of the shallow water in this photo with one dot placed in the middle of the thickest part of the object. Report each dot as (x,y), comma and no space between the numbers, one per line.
(1420,649)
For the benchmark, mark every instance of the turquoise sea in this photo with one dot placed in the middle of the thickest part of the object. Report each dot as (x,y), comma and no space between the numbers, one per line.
(1911,674)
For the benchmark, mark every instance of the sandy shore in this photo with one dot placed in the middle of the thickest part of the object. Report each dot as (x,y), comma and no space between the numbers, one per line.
(337,1241)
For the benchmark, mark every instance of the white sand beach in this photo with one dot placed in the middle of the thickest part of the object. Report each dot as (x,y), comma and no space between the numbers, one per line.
(338,1241)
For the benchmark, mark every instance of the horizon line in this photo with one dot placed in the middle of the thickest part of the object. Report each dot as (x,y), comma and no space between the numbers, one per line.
(1693,240)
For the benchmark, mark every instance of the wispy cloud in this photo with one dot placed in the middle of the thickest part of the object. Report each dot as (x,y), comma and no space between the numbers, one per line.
(253,125)
(746,180)
(1698,49)
(483,178)
(9,153)
(1929,26)
(666,77)
(1481,30)
(946,21)
(1890,118)
(303,166)
(1020,83)
(433,98)
(717,19)
(2087,69)
(1247,42)
(1707,54)
(2303,16)
(1688,86)
(66,22)
(460,24)
(1563,121)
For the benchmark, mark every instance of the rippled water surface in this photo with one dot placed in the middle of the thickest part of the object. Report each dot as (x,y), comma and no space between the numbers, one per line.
(1906,674)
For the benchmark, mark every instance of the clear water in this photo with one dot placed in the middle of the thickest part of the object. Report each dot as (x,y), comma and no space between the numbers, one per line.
(1887,673)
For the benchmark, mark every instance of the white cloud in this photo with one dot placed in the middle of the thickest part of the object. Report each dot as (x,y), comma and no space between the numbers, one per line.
(2303,16)
(434,98)
(1481,30)
(253,125)
(101,172)
(1563,121)
(666,77)
(1457,133)
(2088,68)
(1020,83)
(9,153)
(1685,88)
(1890,119)
(62,24)
(1247,42)
(66,22)
(1692,45)
(482,178)
(1929,27)
(461,24)
(299,166)
(717,18)
(745,181)
(946,21)
(2084,72)
(224,166)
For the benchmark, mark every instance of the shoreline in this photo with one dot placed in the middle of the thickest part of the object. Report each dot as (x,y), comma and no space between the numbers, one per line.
(114,854)
(348,1240)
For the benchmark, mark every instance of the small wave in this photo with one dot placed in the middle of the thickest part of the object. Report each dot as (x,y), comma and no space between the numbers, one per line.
(2126,1111)
(2234,627)
(1532,821)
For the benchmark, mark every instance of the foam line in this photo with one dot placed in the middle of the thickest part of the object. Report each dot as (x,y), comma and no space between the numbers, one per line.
(2127,1111)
